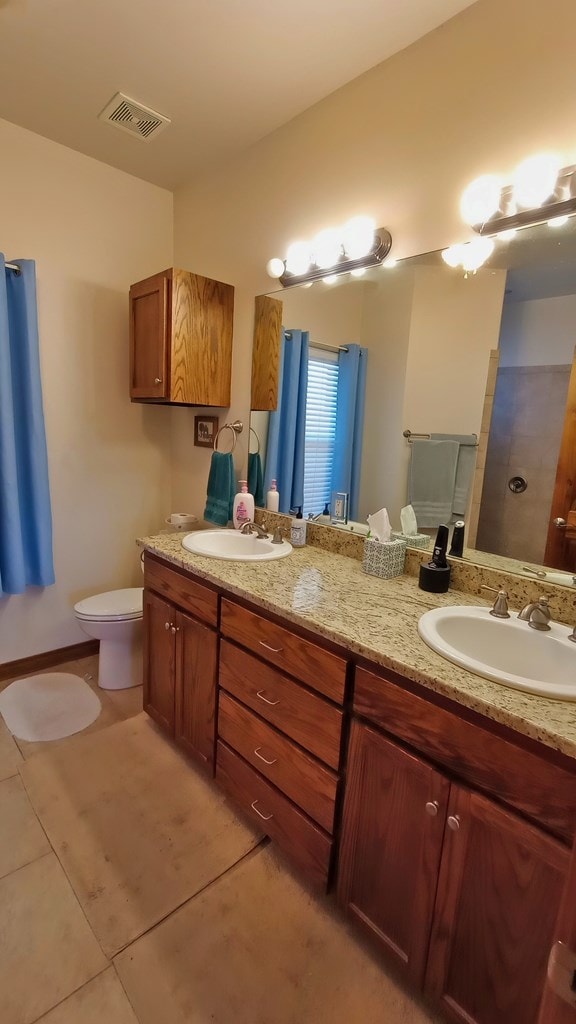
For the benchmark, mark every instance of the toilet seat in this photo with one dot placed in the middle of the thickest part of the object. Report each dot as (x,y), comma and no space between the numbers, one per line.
(112,606)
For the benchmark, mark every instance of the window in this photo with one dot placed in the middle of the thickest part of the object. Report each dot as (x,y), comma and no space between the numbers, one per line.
(321,399)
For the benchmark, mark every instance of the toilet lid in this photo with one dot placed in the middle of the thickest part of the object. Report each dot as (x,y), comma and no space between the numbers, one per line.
(114,604)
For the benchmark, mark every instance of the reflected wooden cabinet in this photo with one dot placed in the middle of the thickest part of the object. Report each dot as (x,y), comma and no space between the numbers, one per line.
(181,339)
(460,892)
(266,351)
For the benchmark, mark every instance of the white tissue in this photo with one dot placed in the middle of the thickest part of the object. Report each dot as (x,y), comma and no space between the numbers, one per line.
(380,527)
(408,521)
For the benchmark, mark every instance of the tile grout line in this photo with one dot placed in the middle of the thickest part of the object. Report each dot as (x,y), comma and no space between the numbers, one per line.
(38,1020)
(262,844)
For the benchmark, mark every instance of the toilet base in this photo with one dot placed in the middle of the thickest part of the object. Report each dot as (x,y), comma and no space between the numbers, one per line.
(120,662)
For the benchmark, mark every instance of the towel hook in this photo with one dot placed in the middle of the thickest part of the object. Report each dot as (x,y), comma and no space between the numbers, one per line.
(252,431)
(237,427)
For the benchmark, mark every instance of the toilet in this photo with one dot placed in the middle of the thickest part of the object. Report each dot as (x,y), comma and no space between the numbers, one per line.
(115,619)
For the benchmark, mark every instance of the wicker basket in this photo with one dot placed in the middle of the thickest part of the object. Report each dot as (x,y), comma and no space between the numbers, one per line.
(385,560)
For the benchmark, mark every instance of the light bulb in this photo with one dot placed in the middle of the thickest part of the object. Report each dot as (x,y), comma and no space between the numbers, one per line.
(389,263)
(298,258)
(275,267)
(535,179)
(476,252)
(481,199)
(453,255)
(359,272)
(558,222)
(330,278)
(358,237)
(326,248)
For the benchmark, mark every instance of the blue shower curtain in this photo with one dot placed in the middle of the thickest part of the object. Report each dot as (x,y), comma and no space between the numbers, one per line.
(350,424)
(25,516)
(287,426)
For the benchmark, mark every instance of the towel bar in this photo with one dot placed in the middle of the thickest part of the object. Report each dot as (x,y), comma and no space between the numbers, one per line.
(237,427)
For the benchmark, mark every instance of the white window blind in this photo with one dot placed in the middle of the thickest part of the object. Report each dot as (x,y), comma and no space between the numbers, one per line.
(321,398)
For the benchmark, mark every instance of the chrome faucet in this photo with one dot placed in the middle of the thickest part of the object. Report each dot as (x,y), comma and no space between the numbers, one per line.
(250,527)
(537,614)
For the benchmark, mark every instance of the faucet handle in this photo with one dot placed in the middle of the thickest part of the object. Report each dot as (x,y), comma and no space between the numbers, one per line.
(500,607)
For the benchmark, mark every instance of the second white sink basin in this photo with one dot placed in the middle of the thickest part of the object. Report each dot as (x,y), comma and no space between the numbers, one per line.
(234,546)
(507,651)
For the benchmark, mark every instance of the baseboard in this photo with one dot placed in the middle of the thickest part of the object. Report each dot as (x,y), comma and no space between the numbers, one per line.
(36,662)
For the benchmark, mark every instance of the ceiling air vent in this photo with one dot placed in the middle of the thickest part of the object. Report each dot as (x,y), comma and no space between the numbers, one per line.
(130,116)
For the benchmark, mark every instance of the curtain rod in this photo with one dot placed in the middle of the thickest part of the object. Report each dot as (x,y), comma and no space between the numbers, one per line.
(318,344)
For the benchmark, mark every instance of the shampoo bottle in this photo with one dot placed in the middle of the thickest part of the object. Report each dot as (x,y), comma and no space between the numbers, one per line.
(298,529)
(243,509)
(272,498)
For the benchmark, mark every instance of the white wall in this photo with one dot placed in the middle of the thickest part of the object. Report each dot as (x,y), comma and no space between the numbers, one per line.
(538,332)
(399,143)
(93,231)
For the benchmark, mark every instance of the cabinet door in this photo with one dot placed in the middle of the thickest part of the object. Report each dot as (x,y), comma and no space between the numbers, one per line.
(498,895)
(150,338)
(159,619)
(394,812)
(197,655)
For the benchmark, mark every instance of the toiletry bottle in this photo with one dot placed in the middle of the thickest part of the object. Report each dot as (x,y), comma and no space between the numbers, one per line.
(243,509)
(298,530)
(272,498)
(325,517)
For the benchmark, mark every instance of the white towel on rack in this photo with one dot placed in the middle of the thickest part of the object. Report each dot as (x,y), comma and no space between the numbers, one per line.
(465,467)
(431,480)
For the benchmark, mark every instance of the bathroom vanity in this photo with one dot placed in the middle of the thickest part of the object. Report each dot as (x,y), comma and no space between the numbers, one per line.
(438,806)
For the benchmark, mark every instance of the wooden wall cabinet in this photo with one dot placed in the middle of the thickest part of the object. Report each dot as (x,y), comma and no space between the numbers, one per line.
(181,339)
(460,892)
(180,664)
(266,351)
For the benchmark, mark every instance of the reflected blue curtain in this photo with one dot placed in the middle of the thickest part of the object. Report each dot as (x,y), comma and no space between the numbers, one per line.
(25,515)
(350,424)
(287,426)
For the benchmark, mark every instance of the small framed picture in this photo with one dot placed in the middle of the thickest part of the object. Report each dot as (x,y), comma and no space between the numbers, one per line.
(205,430)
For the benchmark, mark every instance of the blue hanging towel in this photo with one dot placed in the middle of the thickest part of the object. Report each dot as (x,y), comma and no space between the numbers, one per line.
(221,489)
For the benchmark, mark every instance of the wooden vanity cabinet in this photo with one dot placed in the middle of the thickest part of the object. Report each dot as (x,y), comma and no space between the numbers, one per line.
(458,890)
(181,339)
(181,659)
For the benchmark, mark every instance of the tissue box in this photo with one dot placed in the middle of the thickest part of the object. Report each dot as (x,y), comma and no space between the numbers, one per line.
(416,540)
(385,560)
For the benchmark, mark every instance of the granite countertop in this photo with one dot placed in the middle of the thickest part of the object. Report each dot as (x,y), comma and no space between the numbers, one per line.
(331,595)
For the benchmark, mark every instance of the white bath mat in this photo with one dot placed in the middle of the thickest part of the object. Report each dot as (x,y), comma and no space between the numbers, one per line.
(48,706)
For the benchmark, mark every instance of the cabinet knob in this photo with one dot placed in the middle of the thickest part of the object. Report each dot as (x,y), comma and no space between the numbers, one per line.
(174,629)
(432,808)
(166,625)
(157,380)
(453,822)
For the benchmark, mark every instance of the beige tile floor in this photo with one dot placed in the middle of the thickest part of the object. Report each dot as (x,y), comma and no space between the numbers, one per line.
(251,947)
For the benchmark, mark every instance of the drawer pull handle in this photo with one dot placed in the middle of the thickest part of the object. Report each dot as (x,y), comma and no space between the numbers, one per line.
(265,817)
(265,699)
(275,650)
(262,758)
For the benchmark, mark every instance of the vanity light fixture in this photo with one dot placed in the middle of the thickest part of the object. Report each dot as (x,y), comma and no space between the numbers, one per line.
(354,247)
(541,191)
(469,255)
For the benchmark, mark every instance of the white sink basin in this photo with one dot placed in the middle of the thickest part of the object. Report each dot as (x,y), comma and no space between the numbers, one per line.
(508,651)
(234,546)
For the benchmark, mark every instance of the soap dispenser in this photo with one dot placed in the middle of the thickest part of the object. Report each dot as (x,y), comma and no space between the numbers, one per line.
(298,529)
(272,498)
(243,508)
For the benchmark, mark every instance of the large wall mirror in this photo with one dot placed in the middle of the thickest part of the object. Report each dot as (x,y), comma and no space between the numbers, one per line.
(488,357)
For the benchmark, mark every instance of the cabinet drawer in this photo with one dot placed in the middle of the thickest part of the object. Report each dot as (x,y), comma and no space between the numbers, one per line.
(309,720)
(311,786)
(302,841)
(543,791)
(306,661)
(182,590)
